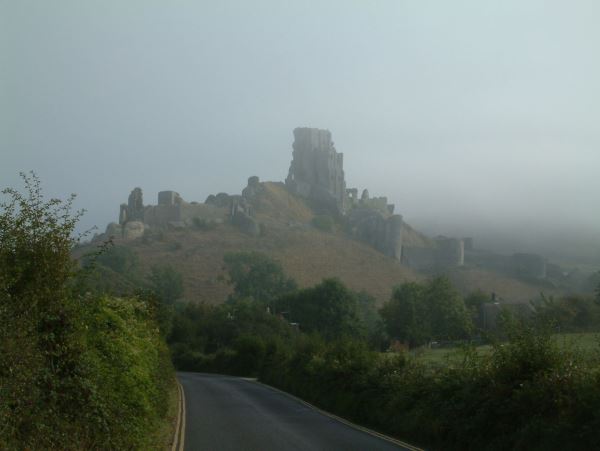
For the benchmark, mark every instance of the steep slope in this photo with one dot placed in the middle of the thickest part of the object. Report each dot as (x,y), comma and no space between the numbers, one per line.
(308,255)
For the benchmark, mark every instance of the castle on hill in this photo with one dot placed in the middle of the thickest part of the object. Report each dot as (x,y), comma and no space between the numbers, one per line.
(316,174)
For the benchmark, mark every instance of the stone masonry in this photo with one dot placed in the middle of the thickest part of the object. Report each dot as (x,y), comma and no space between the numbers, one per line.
(317,169)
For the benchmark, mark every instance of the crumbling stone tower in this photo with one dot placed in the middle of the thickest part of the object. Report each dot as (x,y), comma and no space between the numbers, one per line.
(133,210)
(317,170)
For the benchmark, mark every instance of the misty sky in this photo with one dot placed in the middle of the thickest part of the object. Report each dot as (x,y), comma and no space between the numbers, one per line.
(466,114)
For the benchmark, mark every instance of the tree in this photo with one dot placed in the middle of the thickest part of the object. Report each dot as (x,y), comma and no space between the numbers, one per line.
(39,320)
(418,313)
(371,320)
(405,315)
(449,317)
(75,371)
(166,283)
(255,275)
(573,313)
(476,299)
(110,269)
(36,238)
(328,308)
(166,287)
(474,303)
(120,259)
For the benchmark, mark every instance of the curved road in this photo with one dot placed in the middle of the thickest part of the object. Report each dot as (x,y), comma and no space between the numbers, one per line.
(229,413)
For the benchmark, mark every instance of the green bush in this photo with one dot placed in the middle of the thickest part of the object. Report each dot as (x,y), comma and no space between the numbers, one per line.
(250,350)
(204,224)
(418,313)
(129,369)
(573,313)
(256,276)
(329,308)
(76,372)
(527,394)
(324,223)
(120,259)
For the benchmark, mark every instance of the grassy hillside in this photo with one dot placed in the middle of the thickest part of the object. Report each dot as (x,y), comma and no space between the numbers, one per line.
(307,254)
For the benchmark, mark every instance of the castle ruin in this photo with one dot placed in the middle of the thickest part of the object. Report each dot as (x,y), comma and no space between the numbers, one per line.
(172,212)
(317,169)
(316,174)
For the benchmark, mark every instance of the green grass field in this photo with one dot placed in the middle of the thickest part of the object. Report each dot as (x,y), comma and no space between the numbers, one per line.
(586,343)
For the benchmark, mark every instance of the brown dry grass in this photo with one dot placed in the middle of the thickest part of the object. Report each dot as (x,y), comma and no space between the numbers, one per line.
(306,254)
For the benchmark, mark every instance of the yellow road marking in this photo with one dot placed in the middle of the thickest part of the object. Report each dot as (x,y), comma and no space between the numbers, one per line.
(182,433)
(340,419)
(178,440)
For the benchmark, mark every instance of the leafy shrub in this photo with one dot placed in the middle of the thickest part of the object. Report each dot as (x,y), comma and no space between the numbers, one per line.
(120,259)
(250,350)
(328,308)
(528,394)
(204,224)
(418,313)
(128,367)
(254,275)
(573,313)
(174,246)
(77,372)
(323,222)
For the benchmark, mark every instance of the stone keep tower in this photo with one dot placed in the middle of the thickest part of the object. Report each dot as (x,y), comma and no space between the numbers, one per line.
(317,170)
(133,210)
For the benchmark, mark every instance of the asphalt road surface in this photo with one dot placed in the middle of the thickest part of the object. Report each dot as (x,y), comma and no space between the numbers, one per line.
(228,413)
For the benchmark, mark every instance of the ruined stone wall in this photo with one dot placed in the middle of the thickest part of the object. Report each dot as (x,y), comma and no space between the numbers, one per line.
(240,209)
(161,215)
(393,240)
(133,210)
(529,266)
(377,203)
(169,198)
(317,169)
(445,253)
(202,211)
(384,233)
(450,252)
(171,209)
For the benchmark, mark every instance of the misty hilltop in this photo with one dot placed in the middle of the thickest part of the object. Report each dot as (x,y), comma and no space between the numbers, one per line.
(317,227)
(475,119)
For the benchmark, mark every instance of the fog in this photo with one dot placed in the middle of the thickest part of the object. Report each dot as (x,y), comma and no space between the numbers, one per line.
(474,118)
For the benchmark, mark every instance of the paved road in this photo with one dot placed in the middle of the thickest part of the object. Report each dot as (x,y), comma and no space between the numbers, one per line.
(228,413)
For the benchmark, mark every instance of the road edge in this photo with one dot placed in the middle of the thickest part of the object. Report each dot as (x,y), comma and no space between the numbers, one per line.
(179,438)
(337,418)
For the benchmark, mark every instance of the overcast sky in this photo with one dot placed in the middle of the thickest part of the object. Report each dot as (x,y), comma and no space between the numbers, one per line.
(465,114)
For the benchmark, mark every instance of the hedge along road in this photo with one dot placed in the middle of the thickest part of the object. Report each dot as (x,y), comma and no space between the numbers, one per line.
(229,413)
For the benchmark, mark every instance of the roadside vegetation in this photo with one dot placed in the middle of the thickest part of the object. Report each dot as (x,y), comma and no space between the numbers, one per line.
(523,389)
(81,368)
(87,363)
